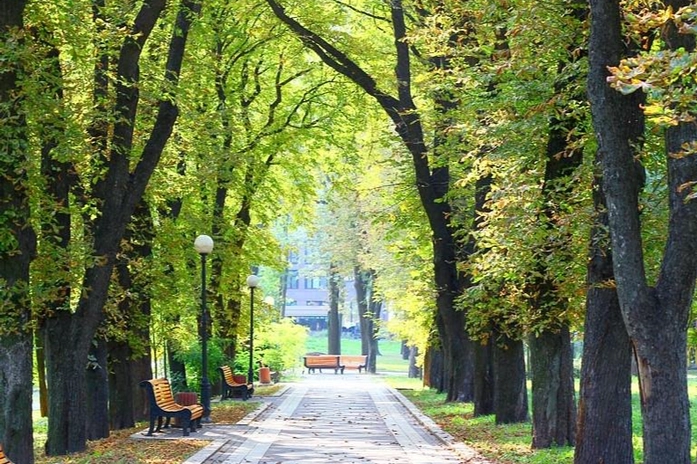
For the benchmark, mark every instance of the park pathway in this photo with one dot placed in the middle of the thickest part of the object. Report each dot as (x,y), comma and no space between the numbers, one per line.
(328,418)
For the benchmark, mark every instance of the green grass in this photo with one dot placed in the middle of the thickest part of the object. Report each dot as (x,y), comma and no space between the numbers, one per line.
(510,444)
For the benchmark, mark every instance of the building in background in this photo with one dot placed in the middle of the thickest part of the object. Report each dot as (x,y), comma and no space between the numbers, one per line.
(307,294)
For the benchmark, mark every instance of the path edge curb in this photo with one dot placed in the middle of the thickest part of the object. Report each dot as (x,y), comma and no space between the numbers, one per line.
(466,453)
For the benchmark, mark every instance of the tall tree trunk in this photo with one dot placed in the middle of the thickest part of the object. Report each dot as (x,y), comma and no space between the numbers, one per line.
(604,428)
(360,283)
(121,400)
(120,191)
(434,374)
(484,383)
(134,311)
(655,317)
(553,406)
(511,393)
(414,371)
(334,320)
(41,374)
(97,420)
(17,249)
(556,395)
(374,347)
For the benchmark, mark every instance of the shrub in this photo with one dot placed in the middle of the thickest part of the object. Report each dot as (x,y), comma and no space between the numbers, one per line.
(281,345)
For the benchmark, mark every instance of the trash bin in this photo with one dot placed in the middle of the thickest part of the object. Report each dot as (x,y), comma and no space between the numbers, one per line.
(264,375)
(185,399)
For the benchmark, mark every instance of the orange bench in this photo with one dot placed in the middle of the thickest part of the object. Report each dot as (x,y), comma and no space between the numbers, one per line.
(354,361)
(3,458)
(323,361)
(162,404)
(234,384)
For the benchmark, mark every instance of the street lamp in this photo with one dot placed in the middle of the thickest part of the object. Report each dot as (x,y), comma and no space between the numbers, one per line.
(252,283)
(203,246)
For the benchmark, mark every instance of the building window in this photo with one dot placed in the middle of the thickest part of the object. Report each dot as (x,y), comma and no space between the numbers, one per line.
(313,282)
(293,281)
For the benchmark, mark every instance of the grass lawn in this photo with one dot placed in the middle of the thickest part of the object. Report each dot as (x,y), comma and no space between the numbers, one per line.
(510,444)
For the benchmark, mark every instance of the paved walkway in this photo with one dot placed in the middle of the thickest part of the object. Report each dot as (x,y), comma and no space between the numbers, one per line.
(326,418)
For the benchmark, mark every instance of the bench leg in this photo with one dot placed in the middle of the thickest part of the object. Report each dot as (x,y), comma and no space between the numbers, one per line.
(185,426)
(159,424)
(152,426)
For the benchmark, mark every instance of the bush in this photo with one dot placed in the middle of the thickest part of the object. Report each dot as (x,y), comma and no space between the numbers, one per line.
(281,345)
(191,357)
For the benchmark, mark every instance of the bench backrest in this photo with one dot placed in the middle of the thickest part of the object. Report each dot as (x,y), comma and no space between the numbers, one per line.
(227,374)
(353,359)
(4,459)
(324,360)
(230,378)
(162,392)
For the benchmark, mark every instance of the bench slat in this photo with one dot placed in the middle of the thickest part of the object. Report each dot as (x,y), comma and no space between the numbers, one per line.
(230,386)
(163,404)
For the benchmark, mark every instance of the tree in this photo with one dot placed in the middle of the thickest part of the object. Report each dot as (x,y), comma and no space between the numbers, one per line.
(18,244)
(604,432)
(116,194)
(655,315)
(407,122)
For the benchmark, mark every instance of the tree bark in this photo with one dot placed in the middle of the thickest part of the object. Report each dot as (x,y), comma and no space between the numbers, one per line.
(334,321)
(125,397)
(97,423)
(655,317)
(511,393)
(361,285)
(414,371)
(119,191)
(374,349)
(484,384)
(553,406)
(16,251)
(604,428)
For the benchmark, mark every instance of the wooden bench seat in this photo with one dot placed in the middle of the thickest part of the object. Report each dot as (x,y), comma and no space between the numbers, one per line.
(3,457)
(324,361)
(234,385)
(354,361)
(163,405)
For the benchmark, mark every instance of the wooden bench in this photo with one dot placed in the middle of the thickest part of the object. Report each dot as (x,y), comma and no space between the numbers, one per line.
(354,361)
(162,404)
(234,385)
(323,361)
(3,458)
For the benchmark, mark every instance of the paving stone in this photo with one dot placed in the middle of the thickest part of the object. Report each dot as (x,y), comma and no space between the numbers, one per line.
(327,418)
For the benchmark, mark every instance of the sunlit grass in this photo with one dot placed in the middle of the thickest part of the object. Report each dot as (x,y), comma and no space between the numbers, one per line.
(510,444)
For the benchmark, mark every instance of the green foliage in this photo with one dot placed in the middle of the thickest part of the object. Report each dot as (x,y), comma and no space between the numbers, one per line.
(281,345)
(191,357)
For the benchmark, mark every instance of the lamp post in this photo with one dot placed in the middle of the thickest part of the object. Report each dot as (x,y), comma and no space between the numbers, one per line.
(252,283)
(203,246)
